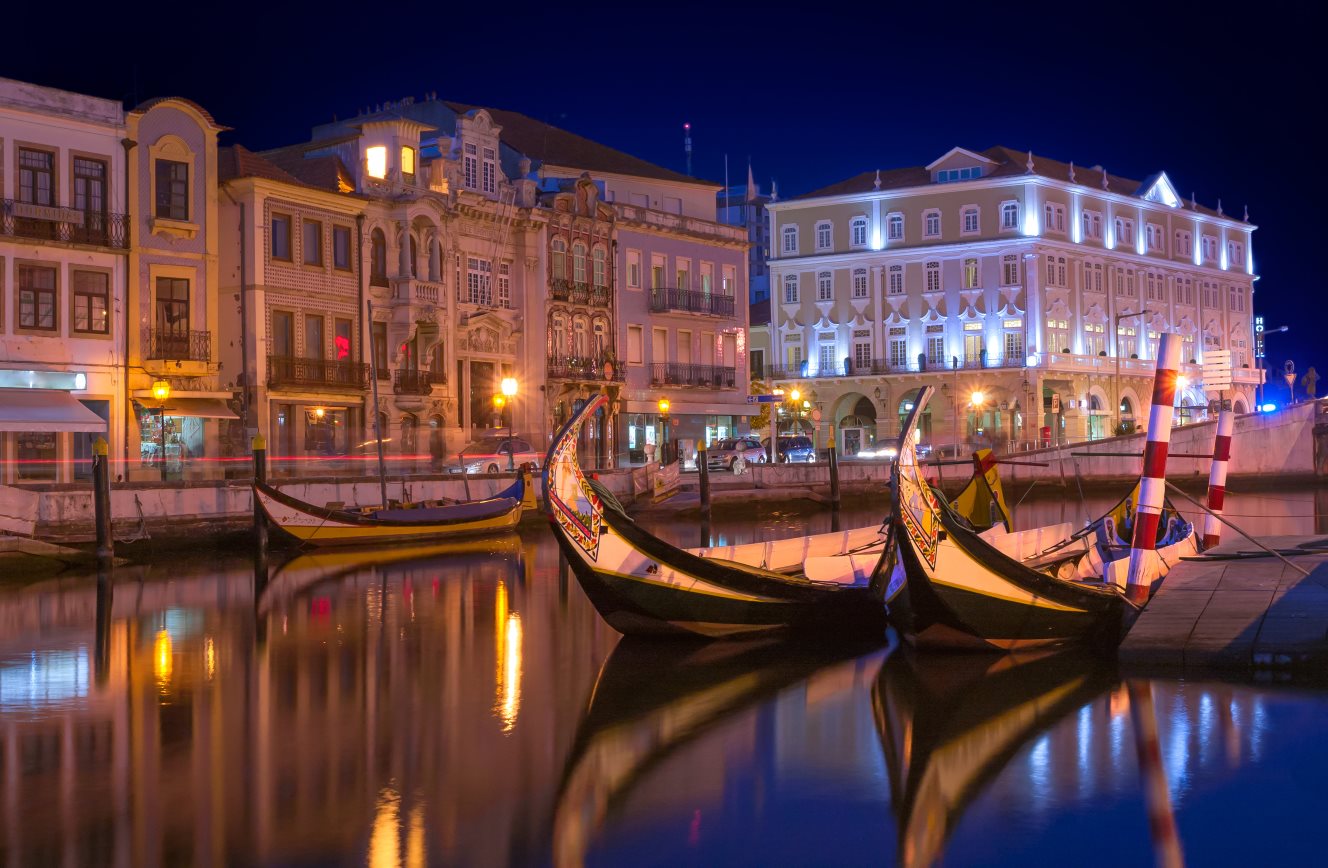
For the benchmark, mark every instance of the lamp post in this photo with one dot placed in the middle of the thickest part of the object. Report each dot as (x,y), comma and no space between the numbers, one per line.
(508,387)
(161,392)
(1261,353)
(1115,342)
(664,438)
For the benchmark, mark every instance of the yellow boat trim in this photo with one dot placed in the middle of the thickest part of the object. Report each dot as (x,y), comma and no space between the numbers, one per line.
(330,532)
(731,595)
(1038,602)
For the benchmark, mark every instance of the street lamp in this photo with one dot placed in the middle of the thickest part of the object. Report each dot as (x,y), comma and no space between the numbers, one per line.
(976,400)
(161,392)
(1261,353)
(508,387)
(664,438)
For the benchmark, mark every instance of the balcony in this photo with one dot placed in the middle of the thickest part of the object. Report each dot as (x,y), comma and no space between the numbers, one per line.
(679,374)
(174,345)
(67,225)
(417,292)
(406,382)
(690,301)
(600,296)
(587,369)
(293,371)
(560,289)
(580,293)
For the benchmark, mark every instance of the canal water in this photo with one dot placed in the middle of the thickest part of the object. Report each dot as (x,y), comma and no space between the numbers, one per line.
(415,707)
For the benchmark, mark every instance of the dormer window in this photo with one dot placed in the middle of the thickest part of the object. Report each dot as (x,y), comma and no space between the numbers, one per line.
(375,161)
(408,164)
(490,171)
(949,176)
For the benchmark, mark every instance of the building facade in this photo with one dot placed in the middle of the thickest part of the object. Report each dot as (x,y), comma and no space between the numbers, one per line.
(172,310)
(64,250)
(1030,292)
(683,303)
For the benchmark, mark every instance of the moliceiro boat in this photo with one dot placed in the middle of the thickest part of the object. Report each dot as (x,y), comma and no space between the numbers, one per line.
(642,585)
(951,586)
(431,521)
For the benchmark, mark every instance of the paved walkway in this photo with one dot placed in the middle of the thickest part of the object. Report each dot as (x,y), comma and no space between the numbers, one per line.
(1238,614)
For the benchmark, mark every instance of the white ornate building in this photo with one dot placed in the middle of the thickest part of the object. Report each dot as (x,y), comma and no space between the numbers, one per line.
(1035,286)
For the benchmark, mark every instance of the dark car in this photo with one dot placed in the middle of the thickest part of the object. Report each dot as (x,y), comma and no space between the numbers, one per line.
(723,454)
(794,450)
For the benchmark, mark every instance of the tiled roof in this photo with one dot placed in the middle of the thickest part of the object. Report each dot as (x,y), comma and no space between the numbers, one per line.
(145,106)
(1009,163)
(237,161)
(325,171)
(549,144)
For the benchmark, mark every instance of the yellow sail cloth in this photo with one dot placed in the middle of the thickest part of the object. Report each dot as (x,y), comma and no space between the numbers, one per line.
(982,502)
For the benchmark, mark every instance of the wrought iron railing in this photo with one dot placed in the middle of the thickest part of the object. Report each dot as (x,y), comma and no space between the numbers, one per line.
(72,225)
(579,368)
(407,382)
(691,301)
(326,373)
(601,296)
(559,289)
(179,345)
(680,374)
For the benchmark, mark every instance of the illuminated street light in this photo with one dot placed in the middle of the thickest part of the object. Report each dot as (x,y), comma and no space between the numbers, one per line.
(664,438)
(161,391)
(978,398)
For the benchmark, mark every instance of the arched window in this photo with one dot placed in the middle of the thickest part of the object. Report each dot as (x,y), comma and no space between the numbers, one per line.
(895,227)
(790,289)
(790,236)
(578,262)
(558,336)
(558,258)
(601,267)
(601,337)
(857,229)
(414,258)
(378,258)
(824,287)
(579,338)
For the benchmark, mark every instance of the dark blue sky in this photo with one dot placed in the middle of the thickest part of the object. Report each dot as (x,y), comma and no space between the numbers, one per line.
(1223,98)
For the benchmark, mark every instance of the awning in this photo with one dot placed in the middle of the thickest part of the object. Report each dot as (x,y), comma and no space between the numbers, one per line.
(46,410)
(199,408)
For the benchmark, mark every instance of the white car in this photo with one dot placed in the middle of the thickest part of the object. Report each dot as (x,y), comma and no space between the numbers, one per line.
(884,451)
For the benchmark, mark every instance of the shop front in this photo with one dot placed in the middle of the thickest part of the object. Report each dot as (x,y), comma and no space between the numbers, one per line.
(643,430)
(187,436)
(312,438)
(46,433)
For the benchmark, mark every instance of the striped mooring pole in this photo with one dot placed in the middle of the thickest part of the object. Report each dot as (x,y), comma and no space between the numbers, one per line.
(1152,484)
(1153,774)
(1217,478)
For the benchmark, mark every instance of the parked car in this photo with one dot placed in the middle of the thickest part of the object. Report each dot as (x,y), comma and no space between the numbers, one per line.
(877,451)
(723,454)
(793,449)
(495,455)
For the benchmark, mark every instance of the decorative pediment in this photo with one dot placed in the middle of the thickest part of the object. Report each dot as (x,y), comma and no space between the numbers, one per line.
(1158,188)
(893,318)
(936,301)
(1095,314)
(960,158)
(1186,326)
(1010,310)
(1157,321)
(824,323)
(932,316)
(1213,329)
(1058,309)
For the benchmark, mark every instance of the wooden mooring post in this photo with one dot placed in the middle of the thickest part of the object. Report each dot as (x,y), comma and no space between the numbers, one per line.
(101,503)
(259,445)
(834,471)
(703,471)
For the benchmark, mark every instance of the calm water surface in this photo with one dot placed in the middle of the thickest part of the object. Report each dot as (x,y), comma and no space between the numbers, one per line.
(470,708)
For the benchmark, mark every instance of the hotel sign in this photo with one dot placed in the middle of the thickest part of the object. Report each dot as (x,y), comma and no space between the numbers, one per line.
(48,213)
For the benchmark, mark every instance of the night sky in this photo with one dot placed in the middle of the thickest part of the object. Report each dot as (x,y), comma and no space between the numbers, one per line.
(1226,100)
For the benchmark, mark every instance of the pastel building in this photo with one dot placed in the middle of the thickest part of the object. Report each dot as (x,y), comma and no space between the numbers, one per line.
(64,250)
(1029,291)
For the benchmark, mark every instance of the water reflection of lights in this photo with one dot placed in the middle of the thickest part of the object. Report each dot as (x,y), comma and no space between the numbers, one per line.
(383,849)
(163,660)
(210,657)
(415,853)
(507,674)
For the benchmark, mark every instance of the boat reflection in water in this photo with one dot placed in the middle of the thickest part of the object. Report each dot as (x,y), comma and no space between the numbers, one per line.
(655,695)
(950,723)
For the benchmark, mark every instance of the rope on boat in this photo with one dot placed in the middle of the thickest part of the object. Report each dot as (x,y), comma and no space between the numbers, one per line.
(1176,490)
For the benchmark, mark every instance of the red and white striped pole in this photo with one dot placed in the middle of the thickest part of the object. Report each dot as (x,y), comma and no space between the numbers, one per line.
(1152,485)
(1161,817)
(1217,478)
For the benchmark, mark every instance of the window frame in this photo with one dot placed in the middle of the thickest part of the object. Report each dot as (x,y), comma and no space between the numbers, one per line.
(892,220)
(825,286)
(788,233)
(49,171)
(273,219)
(792,289)
(893,286)
(1010,206)
(166,193)
(865,283)
(854,225)
(975,212)
(826,229)
(37,293)
(927,217)
(305,224)
(340,230)
(76,293)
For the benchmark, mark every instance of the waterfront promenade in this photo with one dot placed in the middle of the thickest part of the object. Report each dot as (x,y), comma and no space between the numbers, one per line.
(1239,615)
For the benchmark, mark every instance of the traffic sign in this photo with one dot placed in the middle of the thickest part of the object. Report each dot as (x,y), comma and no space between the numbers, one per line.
(764,399)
